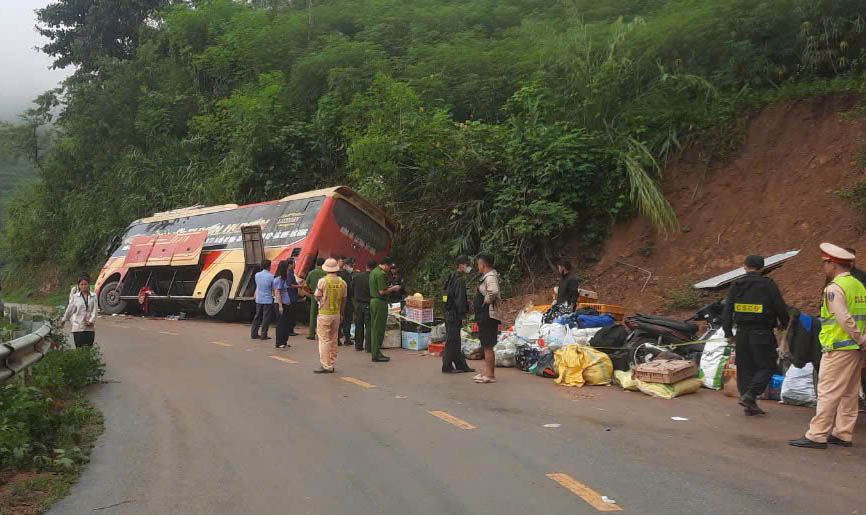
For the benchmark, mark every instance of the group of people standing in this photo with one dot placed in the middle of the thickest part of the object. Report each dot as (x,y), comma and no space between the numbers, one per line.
(276,295)
(340,294)
(756,305)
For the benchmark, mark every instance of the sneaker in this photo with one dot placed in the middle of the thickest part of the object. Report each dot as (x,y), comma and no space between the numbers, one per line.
(323,370)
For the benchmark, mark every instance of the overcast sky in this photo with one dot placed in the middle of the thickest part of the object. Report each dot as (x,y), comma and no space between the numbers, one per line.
(24,71)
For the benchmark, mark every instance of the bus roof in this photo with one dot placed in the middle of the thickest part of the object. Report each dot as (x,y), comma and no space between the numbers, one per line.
(340,191)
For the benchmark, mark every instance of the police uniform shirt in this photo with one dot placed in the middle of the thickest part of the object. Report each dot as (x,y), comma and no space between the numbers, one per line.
(838,305)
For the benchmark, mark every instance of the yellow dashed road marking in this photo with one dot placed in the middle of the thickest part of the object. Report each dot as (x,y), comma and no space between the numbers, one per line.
(224,344)
(284,360)
(586,493)
(451,419)
(358,382)
(169,333)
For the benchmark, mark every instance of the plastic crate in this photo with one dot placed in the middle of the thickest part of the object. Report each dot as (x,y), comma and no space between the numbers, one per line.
(665,371)
(424,316)
(436,348)
(617,311)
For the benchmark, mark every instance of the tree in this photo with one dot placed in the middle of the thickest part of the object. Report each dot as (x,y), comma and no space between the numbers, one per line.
(83,31)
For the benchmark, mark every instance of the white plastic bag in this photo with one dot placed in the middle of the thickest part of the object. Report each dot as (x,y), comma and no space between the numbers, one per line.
(506,349)
(528,324)
(798,388)
(713,360)
(582,336)
(470,347)
(553,334)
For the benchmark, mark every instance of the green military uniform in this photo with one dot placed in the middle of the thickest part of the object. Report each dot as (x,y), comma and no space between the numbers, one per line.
(312,281)
(378,310)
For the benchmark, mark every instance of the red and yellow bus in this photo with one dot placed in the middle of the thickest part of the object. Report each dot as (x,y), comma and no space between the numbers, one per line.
(207,256)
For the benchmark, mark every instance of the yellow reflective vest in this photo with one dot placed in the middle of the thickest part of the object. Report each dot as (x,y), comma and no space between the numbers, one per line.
(833,336)
(335,292)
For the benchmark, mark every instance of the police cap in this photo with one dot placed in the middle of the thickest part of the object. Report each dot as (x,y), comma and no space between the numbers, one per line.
(836,254)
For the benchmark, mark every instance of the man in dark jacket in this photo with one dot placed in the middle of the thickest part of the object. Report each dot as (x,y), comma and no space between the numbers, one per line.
(756,305)
(347,266)
(569,289)
(456,309)
(361,300)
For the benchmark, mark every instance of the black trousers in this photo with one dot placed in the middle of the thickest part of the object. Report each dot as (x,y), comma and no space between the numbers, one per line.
(346,323)
(284,323)
(757,360)
(264,315)
(452,357)
(362,326)
(83,338)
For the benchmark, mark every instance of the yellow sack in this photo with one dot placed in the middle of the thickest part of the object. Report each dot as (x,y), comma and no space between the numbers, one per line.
(669,391)
(624,379)
(580,364)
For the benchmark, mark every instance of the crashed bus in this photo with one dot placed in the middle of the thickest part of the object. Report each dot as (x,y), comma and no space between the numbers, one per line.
(206,257)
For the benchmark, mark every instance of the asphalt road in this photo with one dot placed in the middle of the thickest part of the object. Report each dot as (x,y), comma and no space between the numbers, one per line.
(202,420)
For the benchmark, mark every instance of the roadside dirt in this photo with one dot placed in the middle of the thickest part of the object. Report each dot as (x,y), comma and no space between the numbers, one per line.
(774,195)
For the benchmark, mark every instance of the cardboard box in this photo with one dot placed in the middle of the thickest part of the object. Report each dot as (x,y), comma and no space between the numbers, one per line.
(419,303)
(424,316)
(393,339)
(665,371)
(416,341)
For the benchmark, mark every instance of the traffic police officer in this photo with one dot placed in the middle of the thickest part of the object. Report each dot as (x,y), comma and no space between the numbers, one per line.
(842,337)
(756,305)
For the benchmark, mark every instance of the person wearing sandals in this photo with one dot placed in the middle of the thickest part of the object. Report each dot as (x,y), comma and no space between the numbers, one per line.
(488,314)
(81,311)
(284,305)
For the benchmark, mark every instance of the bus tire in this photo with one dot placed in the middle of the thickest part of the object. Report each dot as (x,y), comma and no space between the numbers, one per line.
(216,301)
(109,299)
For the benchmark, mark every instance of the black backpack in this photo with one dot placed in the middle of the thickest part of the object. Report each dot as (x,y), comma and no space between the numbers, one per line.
(610,337)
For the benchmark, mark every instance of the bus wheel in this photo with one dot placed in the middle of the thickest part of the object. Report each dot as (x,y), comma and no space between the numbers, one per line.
(216,302)
(109,299)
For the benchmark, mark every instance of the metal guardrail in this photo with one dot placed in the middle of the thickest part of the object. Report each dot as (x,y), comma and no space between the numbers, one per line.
(20,353)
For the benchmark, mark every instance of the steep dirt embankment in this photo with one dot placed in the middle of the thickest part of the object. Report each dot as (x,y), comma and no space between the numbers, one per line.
(774,195)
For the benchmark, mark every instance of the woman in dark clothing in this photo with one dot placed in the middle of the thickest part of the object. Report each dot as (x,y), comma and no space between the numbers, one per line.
(488,314)
(284,305)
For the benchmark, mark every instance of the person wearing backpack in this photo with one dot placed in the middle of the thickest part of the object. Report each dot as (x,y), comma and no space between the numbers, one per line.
(456,309)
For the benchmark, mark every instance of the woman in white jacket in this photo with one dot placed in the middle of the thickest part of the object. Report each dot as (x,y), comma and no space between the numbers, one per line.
(81,311)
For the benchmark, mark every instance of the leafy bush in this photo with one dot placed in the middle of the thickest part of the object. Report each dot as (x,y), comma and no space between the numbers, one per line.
(65,372)
(684,296)
(43,416)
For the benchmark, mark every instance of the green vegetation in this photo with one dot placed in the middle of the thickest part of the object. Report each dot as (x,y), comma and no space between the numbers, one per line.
(510,126)
(47,428)
(684,296)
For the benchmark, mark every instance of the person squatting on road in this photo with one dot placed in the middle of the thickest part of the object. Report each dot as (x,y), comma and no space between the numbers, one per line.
(843,338)
(756,305)
(284,304)
(361,290)
(313,277)
(379,294)
(331,296)
(81,311)
(456,309)
(264,302)
(488,315)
